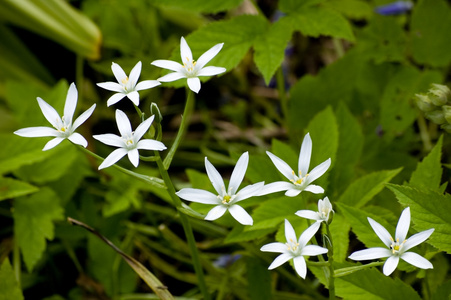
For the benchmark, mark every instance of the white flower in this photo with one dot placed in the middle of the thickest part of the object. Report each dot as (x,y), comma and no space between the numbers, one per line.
(301,181)
(295,249)
(324,210)
(63,126)
(190,69)
(226,199)
(127,86)
(396,247)
(129,142)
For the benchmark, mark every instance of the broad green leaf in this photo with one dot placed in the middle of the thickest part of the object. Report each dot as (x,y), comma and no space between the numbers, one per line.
(259,279)
(211,6)
(430,39)
(354,9)
(33,223)
(288,6)
(428,173)
(436,278)
(443,292)
(11,188)
(339,229)
(262,169)
(366,187)
(9,289)
(239,235)
(286,153)
(429,209)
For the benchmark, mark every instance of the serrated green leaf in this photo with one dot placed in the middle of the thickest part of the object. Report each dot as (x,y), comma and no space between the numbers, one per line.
(33,223)
(429,209)
(9,289)
(366,187)
(12,188)
(354,9)
(428,173)
(340,236)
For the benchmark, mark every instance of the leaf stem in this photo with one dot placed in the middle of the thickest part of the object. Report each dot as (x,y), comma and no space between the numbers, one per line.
(346,271)
(16,262)
(330,258)
(280,79)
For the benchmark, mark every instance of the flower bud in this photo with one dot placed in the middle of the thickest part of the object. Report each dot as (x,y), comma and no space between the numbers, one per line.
(324,210)
(436,116)
(446,127)
(424,103)
(154,110)
(439,94)
(447,113)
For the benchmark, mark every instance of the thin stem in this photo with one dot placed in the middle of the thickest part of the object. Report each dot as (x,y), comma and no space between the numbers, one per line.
(338,47)
(186,226)
(281,89)
(330,256)
(424,133)
(16,262)
(189,107)
(346,271)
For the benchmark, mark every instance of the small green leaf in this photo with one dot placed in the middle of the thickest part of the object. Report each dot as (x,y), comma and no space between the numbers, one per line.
(9,289)
(354,9)
(12,188)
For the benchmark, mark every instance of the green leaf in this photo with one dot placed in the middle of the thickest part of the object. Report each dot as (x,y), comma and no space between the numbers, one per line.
(443,292)
(211,6)
(354,9)
(428,173)
(33,223)
(259,279)
(366,187)
(340,236)
(9,289)
(239,235)
(12,188)
(429,209)
(430,39)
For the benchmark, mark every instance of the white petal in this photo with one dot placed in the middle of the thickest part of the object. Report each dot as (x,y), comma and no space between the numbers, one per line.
(240,214)
(168,64)
(417,239)
(133,156)
(198,195)
(403,225)
(216,212)
(115,99)
(280,260)
(147,84)
(113,158)
(134,74)
(111,86)
(274,247)
(134,97)
(194,84)
(390,265)
(249,191)
(238,173)
(417,260)
(318,171)
(110,139)
(211,71)
(282,166)
(118,72)
(381,232)
(305,155)
(36,132)
(78,139)
(83,117)
(71,103)
(208,55)
(185,51)
(215,178)
(49,113)
(123,123)
(315,189)
(292,192)
(172,77)
(274,187)
(52,143)
(300,266)
(142,128)
(150,145)
(308,214)
(371,253)
(308,234)
(290,234)
(311,250)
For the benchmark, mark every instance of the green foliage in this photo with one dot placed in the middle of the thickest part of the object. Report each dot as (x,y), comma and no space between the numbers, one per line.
(11,188)
(8,284)
(259,280)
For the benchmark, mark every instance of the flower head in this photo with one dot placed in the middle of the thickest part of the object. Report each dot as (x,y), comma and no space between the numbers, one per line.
(298,181)
(127,86)
(129,142)
(295,248)
(190,69)
(324,210)
(397,247)
(63,126)
(226,199)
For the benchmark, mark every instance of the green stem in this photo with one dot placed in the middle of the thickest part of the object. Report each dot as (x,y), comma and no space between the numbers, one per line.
(189,107)
(186,226)
(16,263)
(346,271)
(424,133)
(282,93)
(330,258)
(338,47)
(318,263)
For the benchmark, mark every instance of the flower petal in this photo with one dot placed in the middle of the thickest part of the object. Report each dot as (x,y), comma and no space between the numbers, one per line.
(308,214)
(208,55)
(150,145)
(198,195)
(403,225)
(147,84)
(308,234)
(371,253)
(110,139)
(134,97)
(78,139)
(215,178)
(36,131)
(305,155)
(71,103)
(417,239)
(133,156)
(381,232)
(134,74)
(49,113)
(172,77)
(290,234)
(168,64)
(238,173)
(143,128)
(292,192)
(194,84)
(390,265)
(111,86)
(280,260)
(274,187)
(312,250)
(315,189)
(318,171)
(53,143)
(115,98)
(216,212)
(417,260)
(211,71)
(113,158)
(248,191)
(123,123)
(83,117)
(300,266)
(185,51)
(118,72)
(240,214)
(274,247)
(282,166)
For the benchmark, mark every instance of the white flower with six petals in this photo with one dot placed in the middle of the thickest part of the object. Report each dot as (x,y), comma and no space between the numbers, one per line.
(324,210)
(295,249)
(397,248)
(226,199)
(190,69)
(63,126)
(127,86)
(129,142)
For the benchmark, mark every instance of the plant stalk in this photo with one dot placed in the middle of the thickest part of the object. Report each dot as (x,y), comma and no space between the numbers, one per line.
(330,258)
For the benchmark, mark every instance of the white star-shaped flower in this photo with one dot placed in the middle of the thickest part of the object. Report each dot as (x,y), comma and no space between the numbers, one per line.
(127,86)
(129,142)
(397,248)
(63,126)
(225,199)
(302,180)
(295,249)
(324,210)
(190,69)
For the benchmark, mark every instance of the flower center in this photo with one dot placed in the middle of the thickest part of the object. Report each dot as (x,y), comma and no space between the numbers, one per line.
(228,197)
(292,246)
(189,65)
(129,142)
(62,127)
(396,246)
(298,180)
